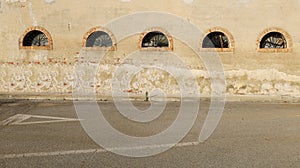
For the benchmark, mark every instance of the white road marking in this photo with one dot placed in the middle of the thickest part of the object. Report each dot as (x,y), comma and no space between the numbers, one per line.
(87,151)
(20,118)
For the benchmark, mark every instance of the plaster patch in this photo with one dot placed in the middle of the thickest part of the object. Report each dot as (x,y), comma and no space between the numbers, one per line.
(12,1)
(244,1)
(32,15)
(188,1)
(49,1)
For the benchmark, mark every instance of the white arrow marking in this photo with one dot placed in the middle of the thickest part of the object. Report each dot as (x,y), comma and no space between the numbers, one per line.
(20,118)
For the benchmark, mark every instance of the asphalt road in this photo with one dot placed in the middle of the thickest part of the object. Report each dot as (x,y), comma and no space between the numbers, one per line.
(250,134)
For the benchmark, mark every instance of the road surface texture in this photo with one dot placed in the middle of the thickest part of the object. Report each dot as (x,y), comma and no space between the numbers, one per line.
(250,134)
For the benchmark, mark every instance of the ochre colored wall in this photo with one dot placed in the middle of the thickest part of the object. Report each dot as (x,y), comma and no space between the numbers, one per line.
(248,71)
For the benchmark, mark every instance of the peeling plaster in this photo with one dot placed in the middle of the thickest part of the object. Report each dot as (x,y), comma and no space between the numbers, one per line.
(262,82)
(28,71)
(39,77)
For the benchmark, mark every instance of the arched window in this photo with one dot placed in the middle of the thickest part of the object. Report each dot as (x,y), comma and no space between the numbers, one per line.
(217,39)
(156,39)
(99,38)
(273,40)
(36,38)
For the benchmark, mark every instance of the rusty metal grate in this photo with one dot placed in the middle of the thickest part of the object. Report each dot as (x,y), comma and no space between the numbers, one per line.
(35,38)
(155,39)
(273,40)
(215,40)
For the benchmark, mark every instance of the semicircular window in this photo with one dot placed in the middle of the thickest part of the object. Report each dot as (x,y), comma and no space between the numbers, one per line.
(215,40)
(155,39)
(99,39)
(273,40)
(35,38)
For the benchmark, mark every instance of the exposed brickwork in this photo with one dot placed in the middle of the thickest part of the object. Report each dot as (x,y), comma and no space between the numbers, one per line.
(279,30)
(50,41)
(95,29)
(228,35)
(248,69)
(168,35)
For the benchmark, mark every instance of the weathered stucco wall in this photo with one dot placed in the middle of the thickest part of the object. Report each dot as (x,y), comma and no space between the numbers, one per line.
(248,70)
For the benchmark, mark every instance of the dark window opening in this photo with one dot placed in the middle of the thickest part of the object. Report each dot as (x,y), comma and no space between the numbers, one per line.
(35,38)
(155,39)
(273,40)
(215,40)
(99,39)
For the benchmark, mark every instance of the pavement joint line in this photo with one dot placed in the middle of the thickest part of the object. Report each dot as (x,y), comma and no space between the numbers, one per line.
(87,151)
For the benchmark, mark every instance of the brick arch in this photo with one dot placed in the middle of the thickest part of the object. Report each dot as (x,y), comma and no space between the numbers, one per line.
(102,29)
(156,29)
(36,28)
(278,30)
(226,33)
